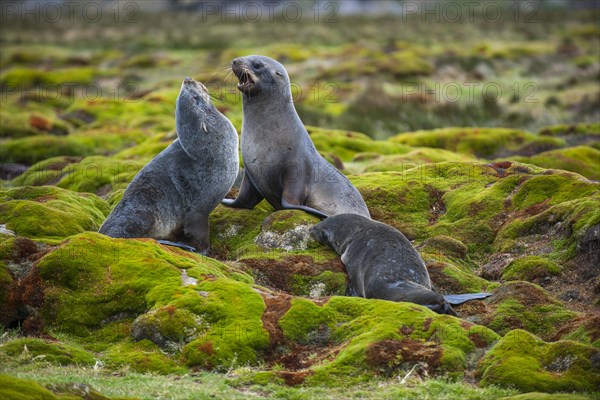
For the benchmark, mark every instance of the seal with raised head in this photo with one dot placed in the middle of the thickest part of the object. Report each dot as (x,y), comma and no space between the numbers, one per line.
(172,196)
(281,163)
(382,264)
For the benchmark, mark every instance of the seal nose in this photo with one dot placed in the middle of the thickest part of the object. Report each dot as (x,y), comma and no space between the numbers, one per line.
(237,61)
(188,80)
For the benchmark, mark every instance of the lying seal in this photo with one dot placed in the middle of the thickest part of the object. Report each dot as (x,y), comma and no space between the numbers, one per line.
(281,163)
(382,264)
(172,196)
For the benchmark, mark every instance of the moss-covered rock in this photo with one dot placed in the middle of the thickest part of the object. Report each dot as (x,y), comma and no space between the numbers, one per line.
(413,159)
(523,361)
(168,327)
(482,142)
(94,174)
(530,268)
(346,144)
(42,350)
(23,389)
(237,336)
(50,214)
(523,305)
(92,280)
(287,230)
(446,246)
(143,356)
(32,149)
(27,77)
(584,160)
(366,337)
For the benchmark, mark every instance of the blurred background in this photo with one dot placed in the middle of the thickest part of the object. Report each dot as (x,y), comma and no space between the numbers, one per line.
(108,72)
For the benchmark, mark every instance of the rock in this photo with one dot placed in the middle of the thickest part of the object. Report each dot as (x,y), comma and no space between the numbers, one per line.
(589,248)
(169,327)
(496,265)
(286,230)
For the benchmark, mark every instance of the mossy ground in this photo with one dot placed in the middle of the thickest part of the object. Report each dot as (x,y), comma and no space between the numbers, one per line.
(134,318)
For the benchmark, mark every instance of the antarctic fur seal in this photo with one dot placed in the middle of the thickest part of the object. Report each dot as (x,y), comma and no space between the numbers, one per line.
(171,197)
(382,264)
(281,163)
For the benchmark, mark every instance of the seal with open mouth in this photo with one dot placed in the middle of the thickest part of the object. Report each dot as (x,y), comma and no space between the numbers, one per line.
(171,197)
(281,163)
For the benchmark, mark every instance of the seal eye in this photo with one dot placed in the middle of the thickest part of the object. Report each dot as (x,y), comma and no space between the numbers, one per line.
(257,65)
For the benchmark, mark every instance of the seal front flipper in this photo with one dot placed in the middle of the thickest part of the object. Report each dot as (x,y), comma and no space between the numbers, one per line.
(180,245)
(456,299)
(248,197)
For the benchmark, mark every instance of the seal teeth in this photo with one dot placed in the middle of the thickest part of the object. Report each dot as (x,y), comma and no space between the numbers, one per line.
(204,127)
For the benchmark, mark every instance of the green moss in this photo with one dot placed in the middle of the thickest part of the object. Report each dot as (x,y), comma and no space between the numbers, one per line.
(482,142)
(16,123)
(529,268)
(327,283)
(233,230)
(233,310)
(346,144)
(147,149)
(93,280)
(50,214)
(32,149)
(168,327)
(414,158)
(584,160)
(283,221)
(143,356)
(445,246)
(575,217)
(546,396)
(523,361)
(47,351)
(458,281)
(354,324)
(94,174)
(26,77)
(514,50)
(554,188)
(5,276)
(97,173)
(23,389)
(45,172)
(153,113)
(592,129)
(527,306)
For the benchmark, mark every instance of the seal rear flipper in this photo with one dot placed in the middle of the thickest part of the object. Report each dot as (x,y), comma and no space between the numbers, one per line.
(307,209)
(248,196)
(456,299)
(180,245)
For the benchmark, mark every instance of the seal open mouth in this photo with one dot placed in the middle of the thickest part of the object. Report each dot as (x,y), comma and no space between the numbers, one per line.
(246,79)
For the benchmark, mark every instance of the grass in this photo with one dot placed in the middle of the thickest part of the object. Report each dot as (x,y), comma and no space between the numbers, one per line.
(209,385)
